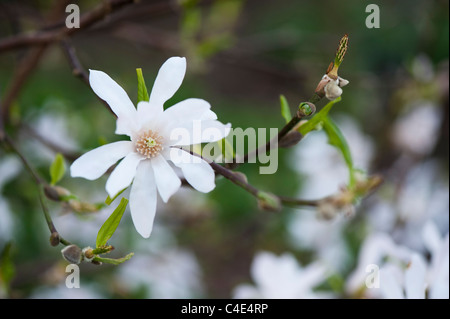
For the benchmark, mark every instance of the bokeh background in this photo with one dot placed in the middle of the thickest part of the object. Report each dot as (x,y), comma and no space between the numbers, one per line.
(241,54)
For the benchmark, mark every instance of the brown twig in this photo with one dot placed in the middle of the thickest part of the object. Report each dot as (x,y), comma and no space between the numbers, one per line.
(52,35)
(241,182)
(77,68)
(69,155)
(41,184)
(22,73)
(275,142)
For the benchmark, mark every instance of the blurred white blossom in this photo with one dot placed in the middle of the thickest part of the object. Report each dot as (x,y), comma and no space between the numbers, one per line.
(170,273)
(408,282)
(282,277)
(403,273)
(323,237)
(417,131)
(324,172)
(438,270)
(423,198)
(322,165)
(85,291)
(9,169)
(55,128)
(376,250)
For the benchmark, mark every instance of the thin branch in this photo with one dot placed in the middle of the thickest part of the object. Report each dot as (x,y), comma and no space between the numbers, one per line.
(241,182)
(40,184)
(77,68)
(69,155)
(22,73)
(25,162)
(48,218)
(275,141)
(299,202)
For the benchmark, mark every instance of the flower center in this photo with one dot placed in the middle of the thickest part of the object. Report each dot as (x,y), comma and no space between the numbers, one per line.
(149,144)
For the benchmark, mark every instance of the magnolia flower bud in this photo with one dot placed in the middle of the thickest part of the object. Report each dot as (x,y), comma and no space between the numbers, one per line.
(332,90)
(88,253)
(54,239)
(306,109)
(72,254)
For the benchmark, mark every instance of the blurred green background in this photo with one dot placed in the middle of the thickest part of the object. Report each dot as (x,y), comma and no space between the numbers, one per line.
(241,56)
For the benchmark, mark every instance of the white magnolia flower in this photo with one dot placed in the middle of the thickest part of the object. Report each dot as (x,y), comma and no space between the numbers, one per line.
(171,273)
(378,249)
(281,277)
(438,270)
(396,283)
(153,131)
(417,131)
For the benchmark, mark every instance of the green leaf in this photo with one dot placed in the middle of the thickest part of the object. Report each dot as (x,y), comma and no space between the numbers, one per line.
(318,118)
(7,269)
(114,261)
(337,139)
(57,169)
(285,110)
(142,89)
(109,200)
(110,225)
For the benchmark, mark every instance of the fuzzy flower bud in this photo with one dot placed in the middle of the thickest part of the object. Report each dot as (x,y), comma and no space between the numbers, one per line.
(332,90)
(88,253)
(72,254)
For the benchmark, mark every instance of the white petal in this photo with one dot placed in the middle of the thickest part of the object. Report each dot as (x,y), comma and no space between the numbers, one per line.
(116,97)
(246,291)
(431,237)
(123,174)
(95,163)
(264,265)
(312,275)
(190,110)
(166,179)
(342,82)
(148,114)
(168,80)
(143,199)
(332,90)
(389,283)
(197,173)
(415,278)
(197,132)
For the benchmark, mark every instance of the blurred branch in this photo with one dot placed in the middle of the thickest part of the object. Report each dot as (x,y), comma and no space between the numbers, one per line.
(22,73)
(69,155)
(241,181)
(51,35)
(283,135)
(41,184)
